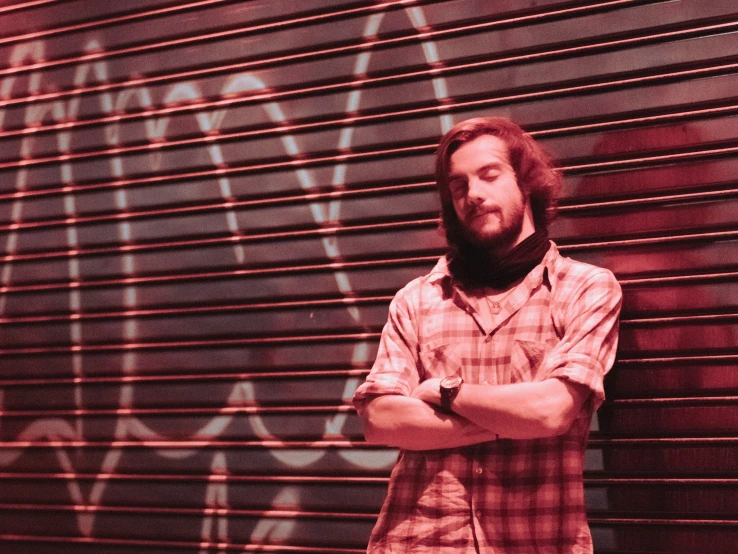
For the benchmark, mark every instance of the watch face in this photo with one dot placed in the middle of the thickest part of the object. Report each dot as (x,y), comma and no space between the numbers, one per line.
(451,382)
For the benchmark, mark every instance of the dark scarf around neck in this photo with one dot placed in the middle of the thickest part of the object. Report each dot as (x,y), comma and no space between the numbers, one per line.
(476,267)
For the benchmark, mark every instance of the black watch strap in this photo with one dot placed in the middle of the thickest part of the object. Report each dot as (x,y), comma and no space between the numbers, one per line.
(450,387)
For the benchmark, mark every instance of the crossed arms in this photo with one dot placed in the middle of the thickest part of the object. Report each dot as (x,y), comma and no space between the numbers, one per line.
(411,418)
(481,412)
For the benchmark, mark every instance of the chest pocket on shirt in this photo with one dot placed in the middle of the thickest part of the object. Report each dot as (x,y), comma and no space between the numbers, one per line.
(441,360)
(526,358)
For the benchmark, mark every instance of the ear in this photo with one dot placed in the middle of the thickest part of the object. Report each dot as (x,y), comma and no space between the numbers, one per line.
(441,229)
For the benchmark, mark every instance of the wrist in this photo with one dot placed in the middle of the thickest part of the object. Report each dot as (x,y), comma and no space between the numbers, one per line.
(449,388)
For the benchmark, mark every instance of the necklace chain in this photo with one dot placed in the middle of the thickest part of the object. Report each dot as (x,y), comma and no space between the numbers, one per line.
(495,306)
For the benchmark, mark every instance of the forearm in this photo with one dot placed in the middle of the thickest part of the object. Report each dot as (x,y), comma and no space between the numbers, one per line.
(412,424)
(522,410)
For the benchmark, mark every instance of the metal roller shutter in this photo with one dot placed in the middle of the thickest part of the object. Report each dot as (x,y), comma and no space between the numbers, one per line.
(207,205)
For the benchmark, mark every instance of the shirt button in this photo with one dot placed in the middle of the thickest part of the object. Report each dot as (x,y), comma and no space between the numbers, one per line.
(479,471)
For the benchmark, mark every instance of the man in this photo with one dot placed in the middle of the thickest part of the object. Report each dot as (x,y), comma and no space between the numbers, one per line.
(490,367)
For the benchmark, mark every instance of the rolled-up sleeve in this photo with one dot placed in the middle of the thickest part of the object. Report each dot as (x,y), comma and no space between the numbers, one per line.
(395,369)
(586,351)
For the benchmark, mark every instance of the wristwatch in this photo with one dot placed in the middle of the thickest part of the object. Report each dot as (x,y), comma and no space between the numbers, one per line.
(449,389)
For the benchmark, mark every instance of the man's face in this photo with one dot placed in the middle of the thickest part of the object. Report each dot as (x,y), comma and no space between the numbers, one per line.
(491,208)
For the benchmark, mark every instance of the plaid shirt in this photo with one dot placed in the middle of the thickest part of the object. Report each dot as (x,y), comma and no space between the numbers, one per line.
(506,496)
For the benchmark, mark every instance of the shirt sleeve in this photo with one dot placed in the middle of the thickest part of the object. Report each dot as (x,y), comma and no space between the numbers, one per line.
(395,370)
(586,351)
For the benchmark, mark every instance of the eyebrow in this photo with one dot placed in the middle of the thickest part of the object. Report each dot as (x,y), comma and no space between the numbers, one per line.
(493,165)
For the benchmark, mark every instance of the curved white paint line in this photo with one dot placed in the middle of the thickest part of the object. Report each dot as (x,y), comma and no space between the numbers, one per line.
(440,90)
(277,529)
(376,460)
(133,427)
(207,123)
(32,52)
(51,429)
(214,527)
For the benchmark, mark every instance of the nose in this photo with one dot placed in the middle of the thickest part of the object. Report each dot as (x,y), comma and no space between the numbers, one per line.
(474,193)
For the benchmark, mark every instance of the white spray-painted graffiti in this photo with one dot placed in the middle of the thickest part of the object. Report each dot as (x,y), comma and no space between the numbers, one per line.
(215,524)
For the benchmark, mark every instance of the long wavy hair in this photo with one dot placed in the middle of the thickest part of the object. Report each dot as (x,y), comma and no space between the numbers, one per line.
(534,169)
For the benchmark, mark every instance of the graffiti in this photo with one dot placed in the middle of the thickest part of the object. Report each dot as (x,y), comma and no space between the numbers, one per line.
(214,526)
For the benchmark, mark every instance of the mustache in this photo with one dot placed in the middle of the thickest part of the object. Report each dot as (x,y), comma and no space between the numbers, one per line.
(480,211)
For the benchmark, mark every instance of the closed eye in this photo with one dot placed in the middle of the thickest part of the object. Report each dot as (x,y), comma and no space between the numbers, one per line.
(490,176)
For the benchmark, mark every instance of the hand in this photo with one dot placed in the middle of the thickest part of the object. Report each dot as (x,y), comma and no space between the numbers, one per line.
(429,391)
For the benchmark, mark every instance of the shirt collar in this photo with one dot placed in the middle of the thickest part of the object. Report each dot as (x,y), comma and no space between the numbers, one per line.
(512,303)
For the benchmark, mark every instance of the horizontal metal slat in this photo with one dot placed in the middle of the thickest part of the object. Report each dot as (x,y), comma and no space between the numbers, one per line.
(172,511)
(321,194)
(254,271)
(597,440)
(597,517)
(335,121)
(224,269)
(27,5)
(594,517)
(634,363)
(309,324)
(709,192)
(257,28)
(425,259)
(207,444)
(727,234)
(311,335)
(428,222)
(229,410)
(230,477)
(678,359)
(148,545)
(589,479)
(83,25)
(194,343)
(299,409)
(311,302)
(516,18)
(656,280)
(656,198)
(567,206)
(574,167)
(258,167)
(302,303)
(327,121)
(236,374)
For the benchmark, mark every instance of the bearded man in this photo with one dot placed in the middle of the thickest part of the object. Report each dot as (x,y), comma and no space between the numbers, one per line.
(491,366)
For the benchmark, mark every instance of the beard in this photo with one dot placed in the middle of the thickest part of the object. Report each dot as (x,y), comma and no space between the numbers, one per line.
(504,236)
(494,257)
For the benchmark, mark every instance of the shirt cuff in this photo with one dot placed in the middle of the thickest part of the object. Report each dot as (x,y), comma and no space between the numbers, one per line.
(378,386)
(579,369)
